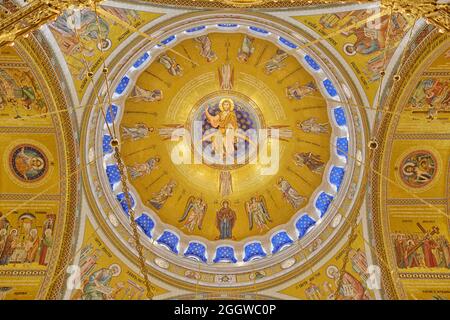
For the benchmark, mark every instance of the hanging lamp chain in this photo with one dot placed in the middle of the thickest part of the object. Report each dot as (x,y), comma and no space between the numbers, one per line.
(137,241)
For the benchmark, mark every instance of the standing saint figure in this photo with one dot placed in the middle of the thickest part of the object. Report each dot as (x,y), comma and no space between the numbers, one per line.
(226,122)
(206,48)
(312,126)
(194,213)
(257,213)
(225,220)
(139,131)
(139,169)
(312,161)
(139,94)
(165,193)
(290,194)
(246,49)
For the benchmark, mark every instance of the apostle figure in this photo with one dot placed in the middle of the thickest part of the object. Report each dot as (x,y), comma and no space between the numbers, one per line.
(139,169)
(194,213)
(257,213)
(276,62)
(312,126)
(98,286)
(171,65)
(246,49)
(139,94)
(165,193)
(312,161)
(290,194)
(205,48)
(139,131)
(225,220)
(298,92)
(226,122)
(351,288)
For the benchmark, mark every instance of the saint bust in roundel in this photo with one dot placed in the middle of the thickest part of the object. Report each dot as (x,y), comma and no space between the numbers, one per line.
(28,163)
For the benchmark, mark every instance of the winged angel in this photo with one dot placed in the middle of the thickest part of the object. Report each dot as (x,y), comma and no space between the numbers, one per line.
(257,213)
(194,213)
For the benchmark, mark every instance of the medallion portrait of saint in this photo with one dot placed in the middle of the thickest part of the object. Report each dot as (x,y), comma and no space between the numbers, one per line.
(28,163)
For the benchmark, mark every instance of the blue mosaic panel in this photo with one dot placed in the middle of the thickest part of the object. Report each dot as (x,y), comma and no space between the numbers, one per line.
(123,202)
(253,250)
(141,60)
(195,29)
(287,43)
(303,224)
(170,240)
(329,87)
(113,174)
(228,25)
(196,250)
(339,115)
(323,202)
(106,144)
(146,224)
(122,85)
(259,30)
(336,176)
(280,240)
(312,63)
(167,40)
(111,113)
(225,254)
(342,147)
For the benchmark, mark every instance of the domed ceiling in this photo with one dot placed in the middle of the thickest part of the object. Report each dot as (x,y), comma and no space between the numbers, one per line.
(263,153)
(238,147)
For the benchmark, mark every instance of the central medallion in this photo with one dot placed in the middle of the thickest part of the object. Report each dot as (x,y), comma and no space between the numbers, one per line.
(226,128)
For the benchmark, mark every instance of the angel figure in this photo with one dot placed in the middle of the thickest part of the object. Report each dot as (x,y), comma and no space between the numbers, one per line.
(297,92)
(194,213)
(171,65)
(140,169)
(276,62)
(139,131)
(205,48)
(246,49)
(290,194)
(159,198)
(139,94)
(312,126)
(312,161)
(257,213)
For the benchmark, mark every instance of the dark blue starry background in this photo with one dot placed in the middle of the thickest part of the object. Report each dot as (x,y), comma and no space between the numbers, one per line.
(245,120)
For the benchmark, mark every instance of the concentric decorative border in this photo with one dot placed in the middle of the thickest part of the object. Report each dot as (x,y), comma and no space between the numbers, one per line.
(357,149)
